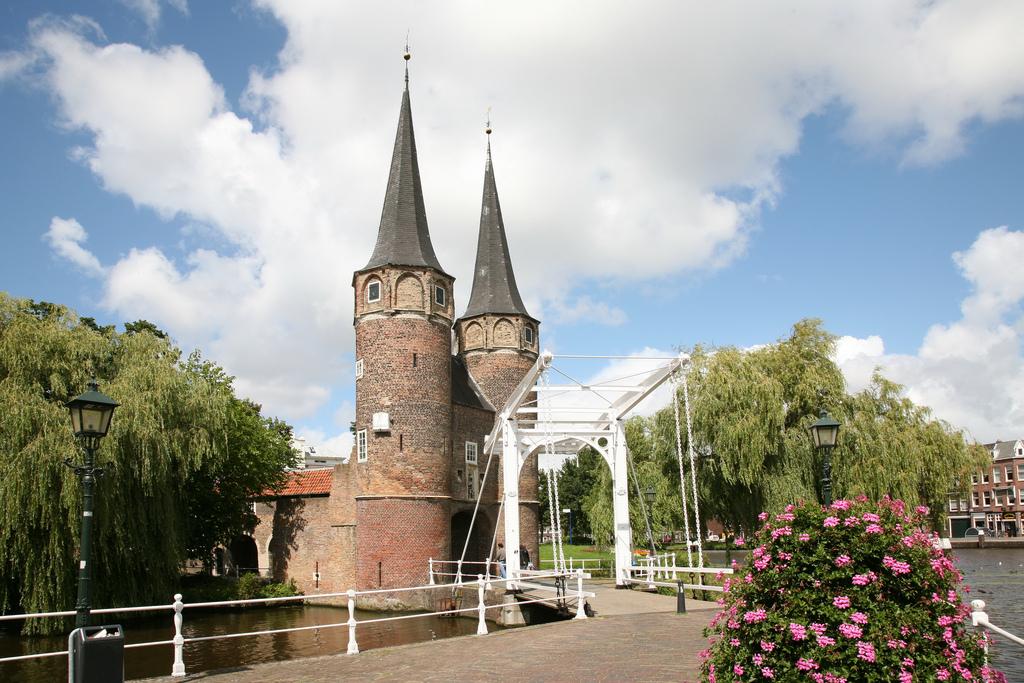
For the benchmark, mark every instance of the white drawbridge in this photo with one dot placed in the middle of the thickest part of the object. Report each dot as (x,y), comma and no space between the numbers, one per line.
(560,420)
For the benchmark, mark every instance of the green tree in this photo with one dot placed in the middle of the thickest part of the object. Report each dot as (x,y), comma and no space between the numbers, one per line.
(176,443)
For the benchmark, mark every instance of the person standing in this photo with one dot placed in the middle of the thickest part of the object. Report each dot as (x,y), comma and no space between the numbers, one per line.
(524,558)
(501,559)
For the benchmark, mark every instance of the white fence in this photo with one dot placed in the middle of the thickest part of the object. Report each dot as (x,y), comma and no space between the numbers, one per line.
(979,618)
(178,607)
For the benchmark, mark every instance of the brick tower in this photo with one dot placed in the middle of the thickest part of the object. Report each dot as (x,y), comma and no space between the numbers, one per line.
(403,322)
(497,338)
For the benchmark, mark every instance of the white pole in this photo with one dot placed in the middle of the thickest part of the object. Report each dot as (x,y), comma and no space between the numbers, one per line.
(620,505)
(487,570)
(511,463)
(431,563)
(178,669)
(353,646)
(581,613)
(481,607)
(458,574)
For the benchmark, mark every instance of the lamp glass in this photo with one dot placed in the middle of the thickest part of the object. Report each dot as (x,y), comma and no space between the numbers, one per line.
(825,431)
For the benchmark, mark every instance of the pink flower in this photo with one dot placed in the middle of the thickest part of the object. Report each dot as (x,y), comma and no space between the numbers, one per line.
(739,540)
(825,641)
(766,646)
(805,664)
(737,669)
(942,674)
(851,521)
(865,651)
(757,659)
(841,601)
(767,672)
(818,629)
(831,521)
(841,505)
(895,566)
(945,620)
(873,529)
(870,517)
(859,618)
(922,510)
(843,560)
(754,616)
(798,631)
(861,579)
(781,531)
(906,677)
(804,537)
(763,516)
(784,517)
(850,631)
(735,642)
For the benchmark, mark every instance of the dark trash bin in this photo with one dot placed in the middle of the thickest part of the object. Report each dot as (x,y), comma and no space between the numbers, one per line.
(97,654)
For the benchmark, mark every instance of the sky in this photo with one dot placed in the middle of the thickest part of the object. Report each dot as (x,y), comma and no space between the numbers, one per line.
(670,173)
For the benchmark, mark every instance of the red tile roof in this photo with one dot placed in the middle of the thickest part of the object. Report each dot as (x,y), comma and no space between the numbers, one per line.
(315,482)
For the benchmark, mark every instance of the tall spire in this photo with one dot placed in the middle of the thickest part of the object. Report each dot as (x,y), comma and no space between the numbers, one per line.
(494,282)
(403,238)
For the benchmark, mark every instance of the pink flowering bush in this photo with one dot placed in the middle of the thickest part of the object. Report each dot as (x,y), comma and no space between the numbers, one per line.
(855,592)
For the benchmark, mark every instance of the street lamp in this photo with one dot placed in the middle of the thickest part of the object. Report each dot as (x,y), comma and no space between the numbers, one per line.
(825,432)
(568,511)
(90,419)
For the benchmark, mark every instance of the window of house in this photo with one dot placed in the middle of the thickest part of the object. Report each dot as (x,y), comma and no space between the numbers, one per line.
(359,368)
(974,499)
(439,295)
(1020,472)
(1020,451)
(997,476)
(963,505)
(952,505)
(986,499)
(528,334)
(361,445)
(974,478)
(984,479)
(471,451)
(995,498)
(373,291)
(458,476)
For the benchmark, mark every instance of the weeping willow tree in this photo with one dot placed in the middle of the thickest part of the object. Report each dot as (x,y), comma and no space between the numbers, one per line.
(179,440)
(751,412)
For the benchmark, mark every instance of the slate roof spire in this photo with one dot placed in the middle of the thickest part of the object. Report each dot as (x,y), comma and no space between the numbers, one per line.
(403,238)
(494,282)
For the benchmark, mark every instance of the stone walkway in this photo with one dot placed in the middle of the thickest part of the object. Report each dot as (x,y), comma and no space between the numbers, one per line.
(638,647)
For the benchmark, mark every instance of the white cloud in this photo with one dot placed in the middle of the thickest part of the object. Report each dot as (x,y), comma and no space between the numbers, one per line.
(970,371)
(584,308)
(618,130)
(65,237)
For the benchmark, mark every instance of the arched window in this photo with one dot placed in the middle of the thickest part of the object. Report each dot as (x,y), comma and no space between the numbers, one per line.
(528,335)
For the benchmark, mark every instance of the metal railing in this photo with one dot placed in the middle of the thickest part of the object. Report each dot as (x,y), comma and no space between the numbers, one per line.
(650,576)
(979,619)
(178,607)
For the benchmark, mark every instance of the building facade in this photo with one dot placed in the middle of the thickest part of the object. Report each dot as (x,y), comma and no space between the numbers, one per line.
(996,493)
(428,387)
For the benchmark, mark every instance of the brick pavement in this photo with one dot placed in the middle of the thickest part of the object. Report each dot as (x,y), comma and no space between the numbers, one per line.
(635,647)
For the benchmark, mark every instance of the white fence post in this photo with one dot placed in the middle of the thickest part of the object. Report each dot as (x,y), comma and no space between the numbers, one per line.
(581,613)
(178,669)
(458,574)
(481,607)
(487,570)
(430,562)
(353,647)
(675,572)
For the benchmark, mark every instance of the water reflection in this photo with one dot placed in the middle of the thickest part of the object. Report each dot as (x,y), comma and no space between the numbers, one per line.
(231,652)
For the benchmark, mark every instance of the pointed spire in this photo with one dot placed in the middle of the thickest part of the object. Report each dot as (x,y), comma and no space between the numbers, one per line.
(403,238)
(494,282)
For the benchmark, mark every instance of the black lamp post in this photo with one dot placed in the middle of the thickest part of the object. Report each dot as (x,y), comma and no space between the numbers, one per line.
(90,419)
(650,494)
(825,432)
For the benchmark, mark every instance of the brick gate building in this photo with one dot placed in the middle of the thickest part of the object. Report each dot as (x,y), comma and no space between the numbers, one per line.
(422,413)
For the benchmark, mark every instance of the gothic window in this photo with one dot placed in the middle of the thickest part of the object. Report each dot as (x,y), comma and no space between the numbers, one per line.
(528,335)
(439,295)
(373,291)
(409,293)
(504,333)
(361,455)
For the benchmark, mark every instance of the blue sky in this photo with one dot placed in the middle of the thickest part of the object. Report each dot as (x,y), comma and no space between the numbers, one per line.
(669,175)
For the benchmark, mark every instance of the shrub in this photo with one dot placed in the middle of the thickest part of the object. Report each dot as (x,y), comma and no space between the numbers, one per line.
(249,587)
(280,590)
(854,592)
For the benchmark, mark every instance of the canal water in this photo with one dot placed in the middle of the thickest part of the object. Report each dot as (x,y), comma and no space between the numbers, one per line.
(994,575)
(217,654)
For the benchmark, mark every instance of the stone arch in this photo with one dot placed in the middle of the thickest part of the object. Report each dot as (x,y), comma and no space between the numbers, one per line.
(474,335)
(409,292)
(479,538)
(505,333)
(244,553)
(366,291)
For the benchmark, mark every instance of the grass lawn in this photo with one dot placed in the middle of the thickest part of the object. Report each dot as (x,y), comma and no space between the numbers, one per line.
(579,552)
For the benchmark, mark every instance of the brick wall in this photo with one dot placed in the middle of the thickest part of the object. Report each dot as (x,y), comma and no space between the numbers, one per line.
(401,534)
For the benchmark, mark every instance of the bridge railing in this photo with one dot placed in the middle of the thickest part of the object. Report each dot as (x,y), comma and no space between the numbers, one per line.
(648,574)
(593,565)
(979,618)
(178,607)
